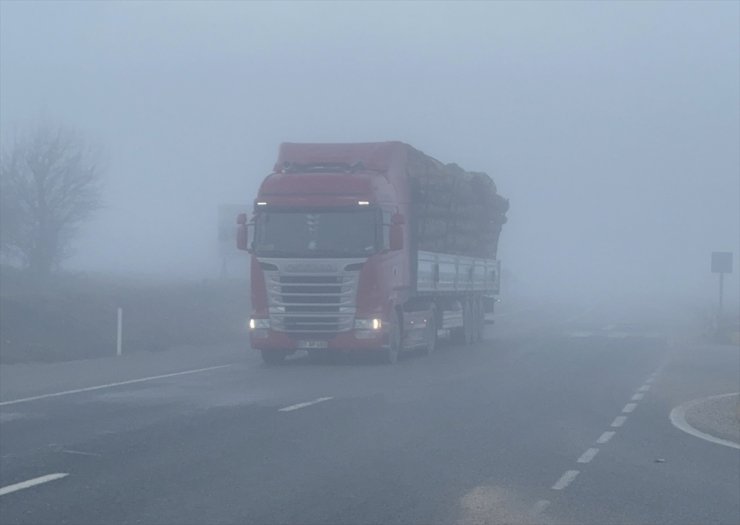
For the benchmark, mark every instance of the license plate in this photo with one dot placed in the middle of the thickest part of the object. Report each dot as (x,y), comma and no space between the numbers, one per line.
(313,344)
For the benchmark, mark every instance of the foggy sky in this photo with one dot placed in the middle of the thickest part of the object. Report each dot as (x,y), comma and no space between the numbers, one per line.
(612,127)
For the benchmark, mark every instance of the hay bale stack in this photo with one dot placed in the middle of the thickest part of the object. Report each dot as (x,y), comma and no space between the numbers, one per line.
(455,211)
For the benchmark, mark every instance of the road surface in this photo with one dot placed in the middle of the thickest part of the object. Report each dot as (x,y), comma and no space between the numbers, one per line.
(560,416)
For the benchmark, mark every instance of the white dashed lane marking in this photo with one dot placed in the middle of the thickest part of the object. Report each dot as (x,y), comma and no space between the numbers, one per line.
(588,455)
(304,405)
(569,475)
(618,421)
(565,480)
(31,483)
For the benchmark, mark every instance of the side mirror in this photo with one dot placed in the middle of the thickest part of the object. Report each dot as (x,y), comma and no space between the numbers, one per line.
(242,234)
(396,237)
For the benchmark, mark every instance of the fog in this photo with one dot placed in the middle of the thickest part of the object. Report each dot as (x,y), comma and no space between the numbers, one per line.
(613,128)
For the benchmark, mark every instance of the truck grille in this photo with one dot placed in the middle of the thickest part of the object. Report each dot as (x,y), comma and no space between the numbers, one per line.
(312,304)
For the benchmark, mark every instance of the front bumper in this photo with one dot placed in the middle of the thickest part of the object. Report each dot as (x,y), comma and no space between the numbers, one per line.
(268,339)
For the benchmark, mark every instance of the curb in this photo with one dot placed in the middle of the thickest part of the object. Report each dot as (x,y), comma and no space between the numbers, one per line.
(678,418)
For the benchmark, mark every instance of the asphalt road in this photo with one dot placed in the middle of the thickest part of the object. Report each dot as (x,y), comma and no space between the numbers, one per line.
(560,416)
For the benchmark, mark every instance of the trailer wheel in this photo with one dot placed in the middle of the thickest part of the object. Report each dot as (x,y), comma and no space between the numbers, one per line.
(431,335)
(473,322)
(273,357)
(477,321)
(481,320)
(395,342)
(469,321)
(459,335)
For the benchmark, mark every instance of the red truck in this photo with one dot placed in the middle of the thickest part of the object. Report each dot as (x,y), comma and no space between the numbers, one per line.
(372,246)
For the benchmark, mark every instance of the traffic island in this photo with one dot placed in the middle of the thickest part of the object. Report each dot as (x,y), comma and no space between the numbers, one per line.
(715,419)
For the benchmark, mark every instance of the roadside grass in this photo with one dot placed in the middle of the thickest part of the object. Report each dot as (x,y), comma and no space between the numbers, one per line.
(74,316)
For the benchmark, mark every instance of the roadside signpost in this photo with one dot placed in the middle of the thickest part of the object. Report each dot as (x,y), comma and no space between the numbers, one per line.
(721,264)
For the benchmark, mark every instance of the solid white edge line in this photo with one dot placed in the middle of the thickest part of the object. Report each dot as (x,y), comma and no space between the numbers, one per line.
(606,436)
(678,418)
(588,455)
(32,483)
(109,385)
(618,421)
(565,480)
(304,405)
(629,407)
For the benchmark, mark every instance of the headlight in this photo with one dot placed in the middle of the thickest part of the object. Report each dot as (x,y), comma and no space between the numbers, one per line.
(255,324)
(368,324)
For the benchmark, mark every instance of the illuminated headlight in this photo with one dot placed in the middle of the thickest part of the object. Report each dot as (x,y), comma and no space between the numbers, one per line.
(255,324)
(368,324)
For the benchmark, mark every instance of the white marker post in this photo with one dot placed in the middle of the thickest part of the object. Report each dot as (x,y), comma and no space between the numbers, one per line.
(119,335)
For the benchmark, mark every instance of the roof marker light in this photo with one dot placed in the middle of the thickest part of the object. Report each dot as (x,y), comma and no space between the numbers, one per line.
(363,203)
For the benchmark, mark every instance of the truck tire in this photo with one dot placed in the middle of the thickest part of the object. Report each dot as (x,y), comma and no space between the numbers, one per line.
(274,357)
(469,322)
(459,335)
(431,335)
(477,323)
(395,342)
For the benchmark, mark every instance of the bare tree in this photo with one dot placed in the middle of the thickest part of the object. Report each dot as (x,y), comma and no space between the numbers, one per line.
(49,185)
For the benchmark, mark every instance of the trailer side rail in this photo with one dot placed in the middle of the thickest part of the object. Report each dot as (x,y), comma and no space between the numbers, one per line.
(441,272)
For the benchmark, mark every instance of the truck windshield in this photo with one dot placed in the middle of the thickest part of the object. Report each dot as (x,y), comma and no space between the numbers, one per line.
(345,233)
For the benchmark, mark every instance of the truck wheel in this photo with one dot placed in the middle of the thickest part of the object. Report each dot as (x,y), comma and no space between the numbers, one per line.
(431,335)
(469,322)
(475,323)
(395,341)
(273,357)
(480,320)
(459,335)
